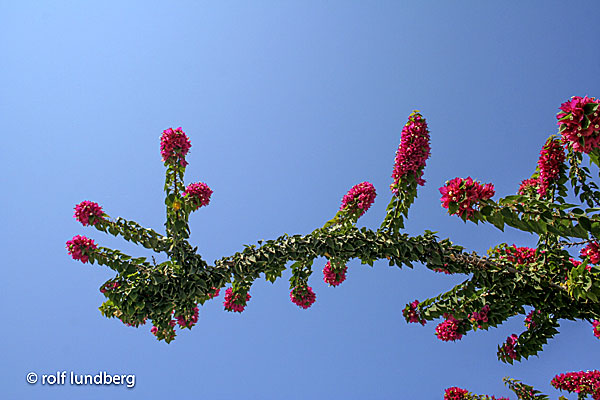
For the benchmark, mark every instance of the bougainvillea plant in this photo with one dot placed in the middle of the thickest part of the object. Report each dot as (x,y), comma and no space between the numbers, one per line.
(544,284)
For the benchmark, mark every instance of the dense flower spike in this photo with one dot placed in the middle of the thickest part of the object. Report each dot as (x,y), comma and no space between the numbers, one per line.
(507,351)
(359,198)
(234,301)
(461,196)
(596,328)
(582,382)
(528,186)
(455,393)
(174,146)
(88,213)
(184,323)
(552,157)
(199,193)
(411,314)
(303,296)
(448,330)
(334,276)
(592,250)
(412,152)
(80,245)
(579,123)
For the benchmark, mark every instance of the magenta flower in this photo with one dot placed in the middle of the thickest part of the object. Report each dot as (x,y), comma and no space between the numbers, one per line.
(596,328)
(528,185)
(334,276)
(579,123)
(582,382)
(154,330)
(199,194)
(530,319)
(448,330)
(592,250)
(88,213)
(188,323)
(79,248)
(550,162)
(234,301)
(109,286)
(303,296)
(517,255)
(465,195)
(215,292)
(412,152)
(456,393)
(508,348)
(359,198)
(481,316)
(174,146)
(411,313)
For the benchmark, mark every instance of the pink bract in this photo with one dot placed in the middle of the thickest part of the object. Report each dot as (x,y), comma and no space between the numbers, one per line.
(334,277)
(579,123)
(412,152)
(528,185)
(596,328)
(234,301)
(448,330)
(552,157)
(411,313)
(359,199)
(185,323)
(303,296)
(582,382)
(80,245)
(508,349)
(88,213)
(592,250)
(465,194)
(199,193)
(174,146)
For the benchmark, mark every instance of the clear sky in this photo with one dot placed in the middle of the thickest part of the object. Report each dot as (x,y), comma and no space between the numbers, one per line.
(287,104)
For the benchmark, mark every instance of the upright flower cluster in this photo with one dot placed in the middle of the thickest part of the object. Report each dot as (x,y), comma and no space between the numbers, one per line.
(303,296)
(174,146)
(359,198)
(235,301)
(481,316)
(448,330)
(528,186)
(592,250)
(184,323)
(88,213)
(411,313)
(455,393)
(596,328)
(109,286)
(79,246)
(507,351)
(579,123)
(463,195)
(334,276)
(552,157)
(582,382)
(199,194)
(413,151)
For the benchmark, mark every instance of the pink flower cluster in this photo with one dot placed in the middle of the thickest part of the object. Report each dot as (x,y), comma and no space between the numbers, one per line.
(168,335)
(215,292)
(592,250)
(80,245)
(412,152)
(88,213)
(531,317)
(596,328)
(465,194)
(174,146)
(552,157)
(582,382)
(455,393)
(444,270)
(359,198)
(109,286)
(303,296)
(480,316)
(448,330)
(517,255)
(184,323)
(334,276)
(528,185)
(508,349)
(199,193)
(234,301)
(411,314)
(579,123)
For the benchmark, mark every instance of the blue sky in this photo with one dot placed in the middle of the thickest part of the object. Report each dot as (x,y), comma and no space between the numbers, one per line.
(287,105)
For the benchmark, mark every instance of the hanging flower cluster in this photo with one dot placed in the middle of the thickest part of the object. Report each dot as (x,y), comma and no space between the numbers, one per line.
(79,246)
(109,286)
(412,152)
(552,157)
(359,199)
(88,213)
(455,393)
(582,382)
(461,196)
(592,250)
(579,123)
(411,314)
(234,301)
(448,330)
(530,319)
(528,186)
(184,323)
(334,276)
(481,316)
(596,328)
(303,296)
(507,351)
(174,146)
(199,194)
